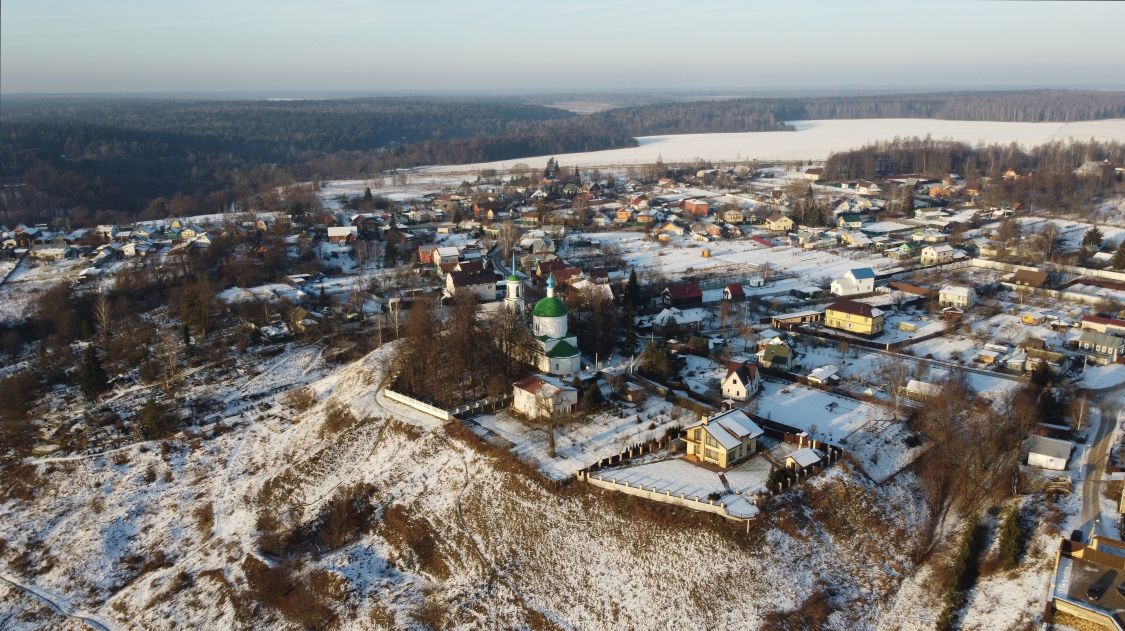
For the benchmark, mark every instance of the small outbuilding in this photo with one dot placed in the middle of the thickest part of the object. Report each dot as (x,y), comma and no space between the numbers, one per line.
(1048,453)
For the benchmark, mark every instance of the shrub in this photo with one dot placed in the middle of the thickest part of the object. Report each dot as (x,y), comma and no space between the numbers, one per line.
(300,399)
(418,536)
(337,418)
(1010,539)
(204,519)
(305,600)
(346,516)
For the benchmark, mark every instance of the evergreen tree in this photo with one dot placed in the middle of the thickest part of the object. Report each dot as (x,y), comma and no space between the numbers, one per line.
(1093,237)
(591,398)
(633,290)
(656,361)
(367,196)
(1010,536)
(1119,256)
(629,346)
(91,375)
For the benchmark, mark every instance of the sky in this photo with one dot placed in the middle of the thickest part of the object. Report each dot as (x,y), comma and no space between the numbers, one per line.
(280,46)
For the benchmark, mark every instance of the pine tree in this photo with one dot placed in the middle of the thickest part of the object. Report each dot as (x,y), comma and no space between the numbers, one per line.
(591,398)
(1119,256)
(1093,237)
(91,375)
(367,196)
(629,346)
(633,290)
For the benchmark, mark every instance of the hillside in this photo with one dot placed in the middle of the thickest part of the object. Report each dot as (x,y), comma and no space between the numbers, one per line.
(444,535)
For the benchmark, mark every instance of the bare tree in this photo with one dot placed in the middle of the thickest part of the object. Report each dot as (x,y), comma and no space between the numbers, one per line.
(507,238)
(103,315)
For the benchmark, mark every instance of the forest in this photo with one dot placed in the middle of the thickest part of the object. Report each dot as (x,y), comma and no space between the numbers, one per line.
(123,158)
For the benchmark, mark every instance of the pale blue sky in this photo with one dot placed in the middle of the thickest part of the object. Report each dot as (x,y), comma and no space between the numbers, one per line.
(279,45)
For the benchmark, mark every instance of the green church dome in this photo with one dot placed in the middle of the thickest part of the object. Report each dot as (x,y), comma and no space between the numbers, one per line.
(549,307)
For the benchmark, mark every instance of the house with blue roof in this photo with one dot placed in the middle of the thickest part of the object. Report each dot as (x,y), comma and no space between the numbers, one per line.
(860,280)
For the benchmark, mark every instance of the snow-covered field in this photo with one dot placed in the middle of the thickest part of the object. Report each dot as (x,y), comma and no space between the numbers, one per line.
(815,139)
(683,256)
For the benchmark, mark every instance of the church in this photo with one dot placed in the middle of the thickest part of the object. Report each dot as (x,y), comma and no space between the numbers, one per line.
(558,351)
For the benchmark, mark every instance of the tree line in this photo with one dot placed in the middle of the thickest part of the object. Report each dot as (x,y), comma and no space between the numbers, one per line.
(120,154)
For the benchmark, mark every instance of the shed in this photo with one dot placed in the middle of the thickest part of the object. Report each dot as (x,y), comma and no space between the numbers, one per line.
(1048,453)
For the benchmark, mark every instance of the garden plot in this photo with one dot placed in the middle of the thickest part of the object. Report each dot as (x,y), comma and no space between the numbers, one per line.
(28,282)
(824,416)
(584,442)
(868,432)
(883,448)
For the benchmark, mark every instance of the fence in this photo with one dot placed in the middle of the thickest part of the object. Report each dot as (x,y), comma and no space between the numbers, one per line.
(706,505)
(418,405)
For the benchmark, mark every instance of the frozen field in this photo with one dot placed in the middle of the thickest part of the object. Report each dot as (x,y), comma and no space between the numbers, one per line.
(815,139)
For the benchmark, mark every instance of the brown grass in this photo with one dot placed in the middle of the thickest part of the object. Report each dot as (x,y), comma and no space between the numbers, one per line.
(306,599)
(300,399)
(403,529)
(204,520)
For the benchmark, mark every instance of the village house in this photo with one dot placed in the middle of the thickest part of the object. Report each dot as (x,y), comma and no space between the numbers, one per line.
(957,296)
(733,291)
(543,396)
(697,207)
(854,317)
(733,215)
(672,229)
(1101,348)
(849,221)
(813,174)
(937,254)
(723,440)
(860,280)
(683,294)
(481,282)
(776,357)
(1112,326)
(1029,278)
(778,222)
(342,234)
(741,382)
(865,187)
(920,390)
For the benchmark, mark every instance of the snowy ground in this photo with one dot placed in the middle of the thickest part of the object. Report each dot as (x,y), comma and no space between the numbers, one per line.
(475,546)
(867,432)
(28,282)
(684,256)
(584,442)
(815,139)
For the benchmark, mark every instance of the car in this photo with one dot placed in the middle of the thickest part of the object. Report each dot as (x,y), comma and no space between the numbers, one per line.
(1077,536)
(1098,588)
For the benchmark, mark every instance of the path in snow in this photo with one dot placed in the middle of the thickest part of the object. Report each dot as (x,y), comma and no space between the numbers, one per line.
(60,605)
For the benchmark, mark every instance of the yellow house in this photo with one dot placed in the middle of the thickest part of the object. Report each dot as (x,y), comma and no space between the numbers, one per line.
(724,439)
(854,317)
(778,222)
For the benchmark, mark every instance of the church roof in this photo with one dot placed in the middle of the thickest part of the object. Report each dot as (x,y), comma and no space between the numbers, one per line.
(549,307)
(562,349)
